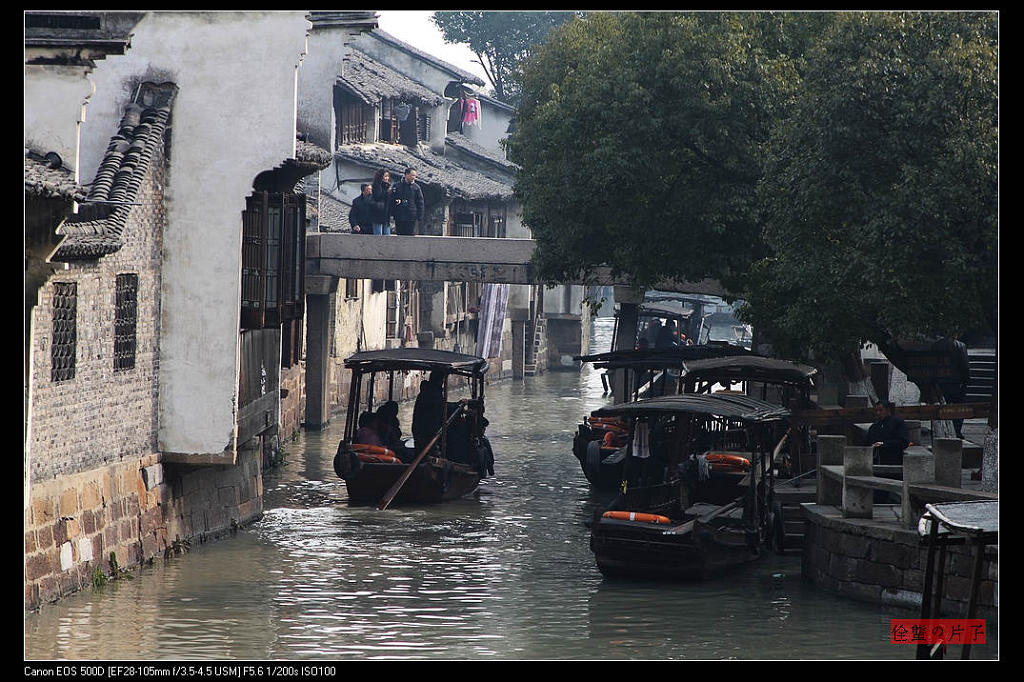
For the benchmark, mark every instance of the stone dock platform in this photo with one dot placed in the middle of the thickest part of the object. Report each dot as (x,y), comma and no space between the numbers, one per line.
(881,558)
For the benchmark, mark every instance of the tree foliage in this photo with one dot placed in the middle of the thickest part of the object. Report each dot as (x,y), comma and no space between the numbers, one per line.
(500,40)
(640,138)
(838,171)
(880,192)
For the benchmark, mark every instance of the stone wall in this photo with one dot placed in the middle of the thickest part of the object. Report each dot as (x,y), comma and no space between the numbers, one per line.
(95,483)
(880,563)
(134,510)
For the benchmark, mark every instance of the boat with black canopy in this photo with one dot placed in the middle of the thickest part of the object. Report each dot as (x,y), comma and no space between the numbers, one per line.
(599,441)
(697,490)
(450,453)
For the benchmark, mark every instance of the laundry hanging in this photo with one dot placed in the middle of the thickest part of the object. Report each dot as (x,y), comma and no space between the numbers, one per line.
(471,112)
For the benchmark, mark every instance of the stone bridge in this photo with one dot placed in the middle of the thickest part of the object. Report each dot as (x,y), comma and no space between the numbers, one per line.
(452,259)
(334,256)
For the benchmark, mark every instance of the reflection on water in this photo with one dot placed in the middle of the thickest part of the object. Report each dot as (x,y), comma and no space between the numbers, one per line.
(505,574)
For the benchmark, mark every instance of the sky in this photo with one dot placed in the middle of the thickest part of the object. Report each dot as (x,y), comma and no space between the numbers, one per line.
(415,28)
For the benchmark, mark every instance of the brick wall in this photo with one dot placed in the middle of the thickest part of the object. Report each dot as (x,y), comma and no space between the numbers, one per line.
(102,415)
(885,565)
(96,484)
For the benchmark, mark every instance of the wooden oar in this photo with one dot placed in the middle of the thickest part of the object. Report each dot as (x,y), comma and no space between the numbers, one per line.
(393,492)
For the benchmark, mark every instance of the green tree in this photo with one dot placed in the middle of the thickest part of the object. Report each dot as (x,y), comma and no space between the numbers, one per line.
(880,195)
(500,40)
(641,139)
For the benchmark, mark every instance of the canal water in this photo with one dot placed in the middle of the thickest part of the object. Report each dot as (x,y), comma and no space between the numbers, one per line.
(504,575)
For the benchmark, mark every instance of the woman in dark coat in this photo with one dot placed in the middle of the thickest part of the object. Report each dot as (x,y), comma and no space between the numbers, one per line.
(380,211)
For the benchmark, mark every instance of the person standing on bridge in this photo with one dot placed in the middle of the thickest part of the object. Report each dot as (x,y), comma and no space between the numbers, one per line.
(407,203)
(359,215)
(380,209)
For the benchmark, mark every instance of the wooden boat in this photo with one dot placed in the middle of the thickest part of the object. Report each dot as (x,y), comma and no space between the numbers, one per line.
(599,444)
(453,463)
(698,497)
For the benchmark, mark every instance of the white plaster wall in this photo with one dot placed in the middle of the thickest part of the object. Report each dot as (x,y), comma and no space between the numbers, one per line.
(493,127)
(54,99)
(319,72)
(234,117)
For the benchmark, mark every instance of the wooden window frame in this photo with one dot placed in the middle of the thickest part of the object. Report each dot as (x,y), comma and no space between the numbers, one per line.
(64,341)
(126,317)
(273,259)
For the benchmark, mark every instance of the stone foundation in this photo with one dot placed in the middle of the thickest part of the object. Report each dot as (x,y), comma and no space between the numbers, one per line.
(135,510)
(876,560)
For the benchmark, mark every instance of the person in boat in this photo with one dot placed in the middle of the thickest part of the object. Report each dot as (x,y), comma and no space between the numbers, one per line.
(369,430)
(391,430)
(888,434)
(653,329)
(429,411)
(667,336)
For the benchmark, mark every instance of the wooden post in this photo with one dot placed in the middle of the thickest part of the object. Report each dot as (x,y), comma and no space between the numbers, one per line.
(948,461)
(830,452)
(858,500)
(918,467)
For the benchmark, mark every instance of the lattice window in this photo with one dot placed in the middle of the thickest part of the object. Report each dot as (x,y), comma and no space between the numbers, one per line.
(273,253)
(126,321)
(64,344)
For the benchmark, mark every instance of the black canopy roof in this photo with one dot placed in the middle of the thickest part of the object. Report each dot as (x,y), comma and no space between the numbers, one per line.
(749,368)
(664,309)
(427,359)
(659,358)
(738,407)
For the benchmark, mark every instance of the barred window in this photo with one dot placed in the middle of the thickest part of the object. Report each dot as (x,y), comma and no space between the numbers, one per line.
(351,288)
(126,321)
(273,252)
(64,344)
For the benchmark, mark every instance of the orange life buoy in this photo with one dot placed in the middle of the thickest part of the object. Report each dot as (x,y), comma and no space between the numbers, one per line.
(608,423)
(636,516)
(374,453)
(612,440)
(722,461)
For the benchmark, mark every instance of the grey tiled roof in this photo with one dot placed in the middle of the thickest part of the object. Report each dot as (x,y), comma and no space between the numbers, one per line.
(463,143)
(97,229)
(372,81)
(431,169)
(44,181)
(464,76)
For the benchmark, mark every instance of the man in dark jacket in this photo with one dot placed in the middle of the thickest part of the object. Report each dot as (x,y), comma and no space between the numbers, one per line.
(407,203)
(359,216)
(428,412)
(889,434)
(954,386)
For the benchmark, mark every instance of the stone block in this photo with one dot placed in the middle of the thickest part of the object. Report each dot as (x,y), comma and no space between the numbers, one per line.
(874,573)
(860,591)
(67,504)
(842,568)
(92,495)
(40,565)
(894,554)
(854,546)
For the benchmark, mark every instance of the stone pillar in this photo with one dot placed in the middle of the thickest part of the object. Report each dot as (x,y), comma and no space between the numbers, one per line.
(858,500)
(629,300)
(990,461)
(918,467)
(518,317)
(319,307)
(948,454)
(830,452)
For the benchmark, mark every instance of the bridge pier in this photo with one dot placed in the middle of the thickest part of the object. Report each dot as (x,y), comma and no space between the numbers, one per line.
(320,300)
